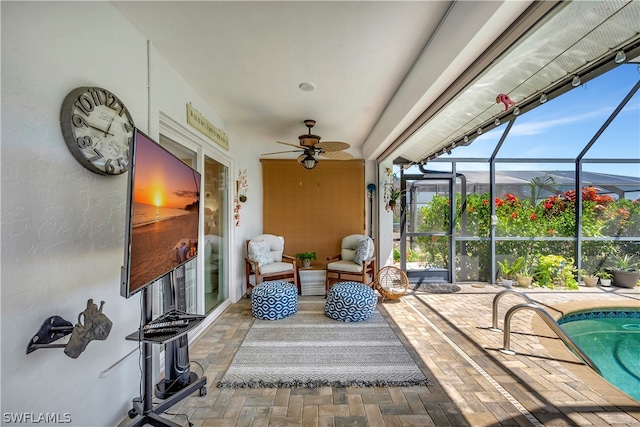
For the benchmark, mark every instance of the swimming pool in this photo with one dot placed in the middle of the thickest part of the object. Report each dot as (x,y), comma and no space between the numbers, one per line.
(611,338)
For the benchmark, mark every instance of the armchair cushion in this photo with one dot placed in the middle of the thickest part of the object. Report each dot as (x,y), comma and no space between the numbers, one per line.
(260,253)
(349,245)
(276,267)
(345,266)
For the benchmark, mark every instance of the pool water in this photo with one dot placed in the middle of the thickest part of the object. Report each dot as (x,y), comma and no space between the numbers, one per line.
(612,340)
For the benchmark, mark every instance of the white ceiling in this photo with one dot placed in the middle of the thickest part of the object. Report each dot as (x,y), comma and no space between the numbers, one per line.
(376,65)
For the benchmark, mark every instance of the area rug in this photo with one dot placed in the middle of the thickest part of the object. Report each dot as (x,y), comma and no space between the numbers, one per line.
(309,350)
(435,288)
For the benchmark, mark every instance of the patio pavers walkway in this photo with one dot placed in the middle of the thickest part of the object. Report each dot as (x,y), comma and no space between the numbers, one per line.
(448,335)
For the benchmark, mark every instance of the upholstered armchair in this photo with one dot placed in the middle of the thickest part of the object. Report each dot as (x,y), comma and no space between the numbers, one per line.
(266,260)
(355,262)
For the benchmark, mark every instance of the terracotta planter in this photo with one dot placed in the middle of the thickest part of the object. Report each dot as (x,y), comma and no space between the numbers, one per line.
(625,279)
(524,281)
(590,281)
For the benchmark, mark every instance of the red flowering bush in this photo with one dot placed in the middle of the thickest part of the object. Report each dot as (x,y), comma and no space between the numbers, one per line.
(554,216)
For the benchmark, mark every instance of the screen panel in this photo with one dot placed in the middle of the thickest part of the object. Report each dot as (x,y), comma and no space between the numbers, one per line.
(163,197)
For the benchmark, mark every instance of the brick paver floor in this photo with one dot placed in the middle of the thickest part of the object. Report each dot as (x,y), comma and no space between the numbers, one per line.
(474,384)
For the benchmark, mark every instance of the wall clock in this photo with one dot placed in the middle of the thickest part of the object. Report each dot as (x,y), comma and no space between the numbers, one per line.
(98,129)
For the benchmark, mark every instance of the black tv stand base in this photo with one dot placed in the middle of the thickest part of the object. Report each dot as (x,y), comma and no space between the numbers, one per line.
(167,388)
(152,417)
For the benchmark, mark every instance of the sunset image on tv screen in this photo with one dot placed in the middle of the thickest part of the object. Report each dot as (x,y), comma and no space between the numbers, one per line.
(164,213)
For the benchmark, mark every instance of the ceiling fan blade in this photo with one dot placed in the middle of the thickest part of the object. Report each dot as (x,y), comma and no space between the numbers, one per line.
(332,146)
(286,143)
(281,152)
(301,157)
(336,155)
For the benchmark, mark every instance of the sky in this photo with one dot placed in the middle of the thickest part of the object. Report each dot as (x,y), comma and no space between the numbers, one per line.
(562,126)
(162,179)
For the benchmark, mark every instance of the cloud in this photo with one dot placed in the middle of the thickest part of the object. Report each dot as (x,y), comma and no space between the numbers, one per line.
(547,125)
(185,193)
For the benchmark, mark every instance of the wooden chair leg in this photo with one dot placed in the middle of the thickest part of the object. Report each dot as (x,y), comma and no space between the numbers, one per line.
(296,282)
(326,285)
(248,276)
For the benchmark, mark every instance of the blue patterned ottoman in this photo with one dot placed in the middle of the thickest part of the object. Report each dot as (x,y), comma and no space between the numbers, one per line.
(274,300)
(350,302)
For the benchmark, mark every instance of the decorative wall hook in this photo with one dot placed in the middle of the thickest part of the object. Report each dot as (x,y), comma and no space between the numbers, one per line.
(92,325)
(52,329)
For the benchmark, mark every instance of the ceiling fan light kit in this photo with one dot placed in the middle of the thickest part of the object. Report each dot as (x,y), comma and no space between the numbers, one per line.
(310,145)
(309,162)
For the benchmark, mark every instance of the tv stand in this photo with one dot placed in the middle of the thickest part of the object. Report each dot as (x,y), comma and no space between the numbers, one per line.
(144,412)
(167,388)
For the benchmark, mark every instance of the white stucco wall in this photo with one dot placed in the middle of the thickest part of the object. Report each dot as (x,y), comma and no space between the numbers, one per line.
(385,221)
(63,226)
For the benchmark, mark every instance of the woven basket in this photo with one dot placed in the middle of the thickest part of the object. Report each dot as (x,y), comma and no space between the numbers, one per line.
(392,283)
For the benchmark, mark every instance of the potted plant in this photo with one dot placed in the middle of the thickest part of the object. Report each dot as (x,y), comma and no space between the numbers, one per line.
(393,196)
(242,186)
(605,278)
(509,271)
(306,258)
(624,272)
(524,277)
(590,280)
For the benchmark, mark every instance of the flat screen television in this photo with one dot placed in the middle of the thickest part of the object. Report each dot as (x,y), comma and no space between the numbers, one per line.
(163,196)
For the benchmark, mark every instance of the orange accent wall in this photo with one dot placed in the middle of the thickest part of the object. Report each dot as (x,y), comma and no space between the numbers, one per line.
(313,209)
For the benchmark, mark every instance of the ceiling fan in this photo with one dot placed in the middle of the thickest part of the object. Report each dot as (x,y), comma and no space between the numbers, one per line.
(310,146)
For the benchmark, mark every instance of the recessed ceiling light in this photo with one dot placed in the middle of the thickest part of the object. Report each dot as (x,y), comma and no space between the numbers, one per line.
(307,86)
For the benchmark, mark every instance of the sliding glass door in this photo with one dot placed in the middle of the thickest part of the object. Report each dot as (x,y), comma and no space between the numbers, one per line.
(190,277)
(205,289)
(215,197)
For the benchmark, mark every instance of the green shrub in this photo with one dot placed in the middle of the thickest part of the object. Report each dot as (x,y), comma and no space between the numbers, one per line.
(555,271)
(553,216)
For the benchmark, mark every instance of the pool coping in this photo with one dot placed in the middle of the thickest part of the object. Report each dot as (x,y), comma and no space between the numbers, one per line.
(567,359)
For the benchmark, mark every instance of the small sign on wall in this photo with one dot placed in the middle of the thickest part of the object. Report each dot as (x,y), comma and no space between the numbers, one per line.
(197,120)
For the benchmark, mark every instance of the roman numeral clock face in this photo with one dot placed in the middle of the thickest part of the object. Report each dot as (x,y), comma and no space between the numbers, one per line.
(98,129)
